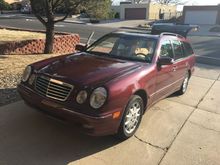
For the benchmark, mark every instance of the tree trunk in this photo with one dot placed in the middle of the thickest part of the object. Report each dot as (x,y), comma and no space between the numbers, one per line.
(49,38)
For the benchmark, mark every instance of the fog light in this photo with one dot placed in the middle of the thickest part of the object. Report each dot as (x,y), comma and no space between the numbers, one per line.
(81,97)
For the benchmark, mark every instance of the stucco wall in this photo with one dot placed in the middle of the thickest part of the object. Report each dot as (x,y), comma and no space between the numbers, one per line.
(116,9)
(12,1)
(203,8)
(154,10)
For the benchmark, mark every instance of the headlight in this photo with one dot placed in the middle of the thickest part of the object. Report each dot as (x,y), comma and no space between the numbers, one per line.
(98,97)
(81,97)
(26,73)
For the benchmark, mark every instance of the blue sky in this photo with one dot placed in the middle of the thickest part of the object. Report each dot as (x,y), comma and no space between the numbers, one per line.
(194,2)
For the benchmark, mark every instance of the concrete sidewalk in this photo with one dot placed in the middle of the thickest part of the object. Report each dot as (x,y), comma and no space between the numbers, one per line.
(122,23)
(182,130)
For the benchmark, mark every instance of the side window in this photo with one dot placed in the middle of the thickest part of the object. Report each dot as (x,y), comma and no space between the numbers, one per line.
(166,49)
(178,49)
(188,51)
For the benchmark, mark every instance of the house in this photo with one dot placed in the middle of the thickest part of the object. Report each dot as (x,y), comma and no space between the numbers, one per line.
(206,15)
(18,4)
(146,10)
(12,1)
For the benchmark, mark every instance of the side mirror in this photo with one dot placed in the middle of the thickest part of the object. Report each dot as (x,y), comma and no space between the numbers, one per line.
(165,61)
(80,47)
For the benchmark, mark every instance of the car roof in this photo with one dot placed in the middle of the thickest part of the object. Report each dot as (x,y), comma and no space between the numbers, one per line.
(147,34)
(137,33)
(159,31)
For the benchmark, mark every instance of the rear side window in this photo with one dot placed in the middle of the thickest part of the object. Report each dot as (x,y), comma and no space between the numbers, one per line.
(178,49)
(188,51)
(166,49)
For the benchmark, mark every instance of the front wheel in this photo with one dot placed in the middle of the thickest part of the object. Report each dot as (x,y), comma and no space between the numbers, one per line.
(131,118)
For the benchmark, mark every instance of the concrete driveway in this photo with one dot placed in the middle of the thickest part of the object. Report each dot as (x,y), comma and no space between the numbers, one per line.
(177,130)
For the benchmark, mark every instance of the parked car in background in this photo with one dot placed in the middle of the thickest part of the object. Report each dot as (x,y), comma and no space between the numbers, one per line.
(105,88)
(26,9)
(160,22)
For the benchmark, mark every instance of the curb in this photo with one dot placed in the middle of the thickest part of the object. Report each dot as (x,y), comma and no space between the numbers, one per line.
(75,22)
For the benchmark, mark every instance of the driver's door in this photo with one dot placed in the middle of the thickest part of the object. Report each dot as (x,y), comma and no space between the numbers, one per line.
(164,75)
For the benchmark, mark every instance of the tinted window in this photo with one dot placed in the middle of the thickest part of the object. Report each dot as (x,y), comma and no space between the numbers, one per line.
(187,49)
(178,50)
(166,49)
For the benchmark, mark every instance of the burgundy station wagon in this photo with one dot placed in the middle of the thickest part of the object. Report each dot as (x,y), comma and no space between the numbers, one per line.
(106,87)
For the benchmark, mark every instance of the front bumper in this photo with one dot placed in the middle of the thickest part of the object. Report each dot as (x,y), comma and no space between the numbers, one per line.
(91,125)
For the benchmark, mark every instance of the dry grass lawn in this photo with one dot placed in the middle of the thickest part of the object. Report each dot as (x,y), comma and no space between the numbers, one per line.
(14,35)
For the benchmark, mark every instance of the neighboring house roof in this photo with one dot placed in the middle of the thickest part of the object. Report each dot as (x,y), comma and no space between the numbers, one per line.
(12,1)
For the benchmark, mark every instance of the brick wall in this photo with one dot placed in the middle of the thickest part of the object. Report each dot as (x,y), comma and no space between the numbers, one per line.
(63,43)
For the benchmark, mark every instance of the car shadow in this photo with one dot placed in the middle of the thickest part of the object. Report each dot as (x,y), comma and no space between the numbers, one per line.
(30,137)
(173,95)
(8,95)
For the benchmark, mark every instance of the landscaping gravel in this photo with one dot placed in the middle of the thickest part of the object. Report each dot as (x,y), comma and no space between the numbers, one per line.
(11,69)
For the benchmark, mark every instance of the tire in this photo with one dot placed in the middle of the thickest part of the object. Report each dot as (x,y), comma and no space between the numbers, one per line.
(184,86)
(131,119)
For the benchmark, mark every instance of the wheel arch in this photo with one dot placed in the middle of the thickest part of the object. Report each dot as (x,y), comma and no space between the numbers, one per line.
(190,73)
(143,94)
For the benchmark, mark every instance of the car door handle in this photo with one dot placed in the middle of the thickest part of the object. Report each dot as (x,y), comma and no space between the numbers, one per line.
(174,68)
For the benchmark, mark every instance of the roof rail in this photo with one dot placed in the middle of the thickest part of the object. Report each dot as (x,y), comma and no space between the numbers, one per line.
(136,28)
(171,34)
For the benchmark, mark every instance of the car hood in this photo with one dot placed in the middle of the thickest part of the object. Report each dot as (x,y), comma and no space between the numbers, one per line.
(88,69)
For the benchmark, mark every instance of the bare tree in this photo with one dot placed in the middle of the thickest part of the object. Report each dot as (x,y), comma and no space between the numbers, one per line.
(167,2)
(45,11)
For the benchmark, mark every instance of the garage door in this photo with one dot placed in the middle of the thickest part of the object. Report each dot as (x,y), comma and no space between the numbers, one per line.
(201,17)
(137,13)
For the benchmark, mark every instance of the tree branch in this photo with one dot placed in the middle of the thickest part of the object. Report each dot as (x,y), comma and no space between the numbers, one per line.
(40,19)
(37,14)
(57,3)
(62,19)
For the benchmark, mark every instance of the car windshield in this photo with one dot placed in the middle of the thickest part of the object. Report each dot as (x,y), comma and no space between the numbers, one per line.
(135,48)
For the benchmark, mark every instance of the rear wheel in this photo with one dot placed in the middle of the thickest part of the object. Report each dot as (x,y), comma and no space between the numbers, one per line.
(131,118)
(184,85)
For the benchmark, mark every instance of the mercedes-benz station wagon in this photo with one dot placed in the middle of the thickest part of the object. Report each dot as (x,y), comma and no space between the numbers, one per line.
(106,87)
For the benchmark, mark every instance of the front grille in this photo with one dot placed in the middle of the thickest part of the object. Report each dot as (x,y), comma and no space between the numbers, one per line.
(52,88)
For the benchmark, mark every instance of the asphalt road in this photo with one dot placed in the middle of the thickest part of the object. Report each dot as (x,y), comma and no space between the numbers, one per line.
(83,30)
(206,48)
